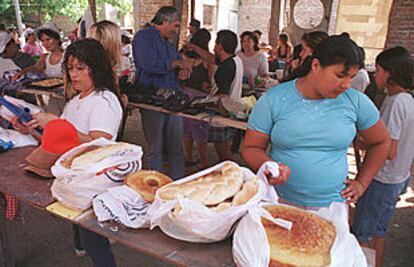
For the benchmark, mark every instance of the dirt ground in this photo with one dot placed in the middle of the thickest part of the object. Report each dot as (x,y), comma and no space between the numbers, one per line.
(39,239)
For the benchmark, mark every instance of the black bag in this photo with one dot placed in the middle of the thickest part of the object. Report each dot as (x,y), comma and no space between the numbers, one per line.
(177,102)
(140,93)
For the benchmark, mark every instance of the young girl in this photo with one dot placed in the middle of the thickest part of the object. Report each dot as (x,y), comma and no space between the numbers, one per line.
(95,111)
(394,69)
(31,47)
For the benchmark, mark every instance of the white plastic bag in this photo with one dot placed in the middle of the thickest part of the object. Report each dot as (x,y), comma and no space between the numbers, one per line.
(195,222)
(250,244)
(76,188)
(18,139)
(251,248)
(123,205)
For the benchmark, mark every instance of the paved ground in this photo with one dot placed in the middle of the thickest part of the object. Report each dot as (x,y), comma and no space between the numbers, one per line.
(39,239)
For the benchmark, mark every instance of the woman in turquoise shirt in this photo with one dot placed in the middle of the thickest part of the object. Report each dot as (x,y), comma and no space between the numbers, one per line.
(310,123)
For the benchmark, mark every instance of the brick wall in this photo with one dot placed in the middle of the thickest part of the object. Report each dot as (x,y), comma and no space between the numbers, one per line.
(148,8)
(401,25)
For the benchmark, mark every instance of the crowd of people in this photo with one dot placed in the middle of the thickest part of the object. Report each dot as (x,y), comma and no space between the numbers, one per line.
(309,120)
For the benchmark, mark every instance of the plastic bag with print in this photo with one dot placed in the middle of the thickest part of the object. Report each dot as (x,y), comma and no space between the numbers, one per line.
(251,247)
(77,187)
(195,222)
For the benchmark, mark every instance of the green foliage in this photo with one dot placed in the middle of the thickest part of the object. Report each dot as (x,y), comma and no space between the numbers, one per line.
(46,9)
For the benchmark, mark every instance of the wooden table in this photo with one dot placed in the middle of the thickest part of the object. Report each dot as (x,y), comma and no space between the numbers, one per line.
(35,191)
(201,116)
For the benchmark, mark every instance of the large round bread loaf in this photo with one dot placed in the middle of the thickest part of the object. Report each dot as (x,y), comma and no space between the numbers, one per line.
(147,182)
(308,243)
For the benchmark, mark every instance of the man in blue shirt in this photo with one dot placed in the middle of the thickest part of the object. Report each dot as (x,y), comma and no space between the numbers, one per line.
(157,63)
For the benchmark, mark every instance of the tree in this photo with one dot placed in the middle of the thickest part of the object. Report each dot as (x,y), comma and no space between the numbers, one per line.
(39,11)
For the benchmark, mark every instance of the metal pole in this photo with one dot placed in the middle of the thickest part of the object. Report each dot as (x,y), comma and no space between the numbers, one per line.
(18,16)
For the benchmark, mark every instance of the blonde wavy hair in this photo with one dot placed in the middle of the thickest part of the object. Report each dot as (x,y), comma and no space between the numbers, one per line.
(109,35)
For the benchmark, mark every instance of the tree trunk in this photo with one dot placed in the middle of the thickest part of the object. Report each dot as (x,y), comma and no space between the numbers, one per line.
(274,23)
(136,15)
(92,4)
(178,4)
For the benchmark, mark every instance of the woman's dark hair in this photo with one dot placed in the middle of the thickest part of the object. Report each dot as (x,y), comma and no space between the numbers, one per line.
(125,39)
(398,62)
(312,39)
(336,49)
(284,37)
(200,38)
(252,36)
(90,52)
(361,57)
(257,32)
(50,33)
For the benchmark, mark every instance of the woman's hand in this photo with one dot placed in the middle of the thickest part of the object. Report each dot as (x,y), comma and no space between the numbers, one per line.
(41,119)
(353,191)
(17,76)
(19,126)
(184,74)
(284,173)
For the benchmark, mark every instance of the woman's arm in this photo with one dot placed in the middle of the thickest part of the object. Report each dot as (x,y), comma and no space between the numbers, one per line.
(254,153)
(37,67)
(92,135)
(378,143)
(201,52)
(253,149)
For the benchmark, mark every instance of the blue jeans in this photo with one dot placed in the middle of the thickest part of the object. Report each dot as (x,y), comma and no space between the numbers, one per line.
(375,209)
(98,248)
(159,129)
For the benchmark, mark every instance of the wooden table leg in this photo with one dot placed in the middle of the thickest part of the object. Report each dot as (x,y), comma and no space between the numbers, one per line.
(6,256)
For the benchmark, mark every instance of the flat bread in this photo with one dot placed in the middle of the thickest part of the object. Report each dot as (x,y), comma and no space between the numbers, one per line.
(308,243)
(210,189)
(249,189)
(94,154)
(147,182)
(52,82)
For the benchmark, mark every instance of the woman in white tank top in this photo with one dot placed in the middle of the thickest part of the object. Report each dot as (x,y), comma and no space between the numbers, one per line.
(53,70)
(49,63)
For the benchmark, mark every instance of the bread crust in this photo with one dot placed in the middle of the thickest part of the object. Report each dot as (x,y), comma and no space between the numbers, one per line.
(308,243)
(146,183)
(92,154)
(67,163)
(210,189)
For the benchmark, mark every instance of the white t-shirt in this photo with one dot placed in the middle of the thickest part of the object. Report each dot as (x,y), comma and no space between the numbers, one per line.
(236,85)
(254,65)
(361,81)
(99,111)
(397,112)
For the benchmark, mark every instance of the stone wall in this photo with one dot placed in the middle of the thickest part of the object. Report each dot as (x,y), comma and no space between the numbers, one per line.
(255,15)
(401,25)
(367,23)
